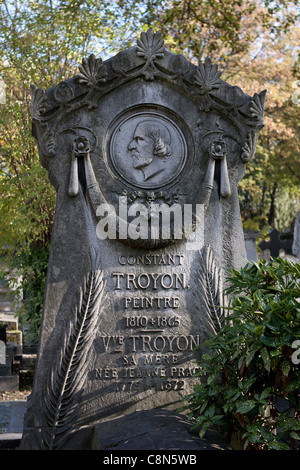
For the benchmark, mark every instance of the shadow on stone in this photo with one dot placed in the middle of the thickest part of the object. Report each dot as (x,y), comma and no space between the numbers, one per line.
(146,430)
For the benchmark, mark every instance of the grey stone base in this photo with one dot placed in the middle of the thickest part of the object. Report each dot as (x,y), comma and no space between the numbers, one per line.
(141,430)
(10,441)
(9,383)
(153,430)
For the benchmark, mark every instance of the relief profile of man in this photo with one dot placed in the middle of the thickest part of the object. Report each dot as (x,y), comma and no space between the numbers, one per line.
(150,148)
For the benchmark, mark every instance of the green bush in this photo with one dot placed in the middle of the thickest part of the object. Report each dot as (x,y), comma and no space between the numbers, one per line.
(27,271)
(250,374)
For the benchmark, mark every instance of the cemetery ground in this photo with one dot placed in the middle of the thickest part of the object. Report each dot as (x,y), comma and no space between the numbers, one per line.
(14,395)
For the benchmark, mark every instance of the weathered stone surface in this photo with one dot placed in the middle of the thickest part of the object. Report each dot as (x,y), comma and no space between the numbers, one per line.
(9,383)
(154,430)
(144,430)
(128,141)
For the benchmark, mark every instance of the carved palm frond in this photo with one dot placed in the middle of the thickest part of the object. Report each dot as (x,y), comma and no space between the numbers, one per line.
(207,76)
(257,105)
(150,45)
(38,104)
(65,382)
(92,71)
(211,292)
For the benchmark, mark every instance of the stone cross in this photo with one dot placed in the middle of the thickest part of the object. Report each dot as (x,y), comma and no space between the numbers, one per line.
(275,244)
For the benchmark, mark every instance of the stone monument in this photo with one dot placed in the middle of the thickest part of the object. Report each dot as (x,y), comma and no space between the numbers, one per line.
(145,151)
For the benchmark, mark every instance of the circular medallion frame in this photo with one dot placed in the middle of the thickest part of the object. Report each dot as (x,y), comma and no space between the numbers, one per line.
(147,147)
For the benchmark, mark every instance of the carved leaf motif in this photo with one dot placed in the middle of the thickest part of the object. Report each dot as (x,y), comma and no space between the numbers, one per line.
(92,71)
(150,45)
(207,77)
(38,102)
(249,147)
(211,293)
(257,106)
(66,377)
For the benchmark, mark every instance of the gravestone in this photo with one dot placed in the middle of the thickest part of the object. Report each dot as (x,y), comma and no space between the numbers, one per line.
(145,151)
(296,238)
(2,345)
(250,237)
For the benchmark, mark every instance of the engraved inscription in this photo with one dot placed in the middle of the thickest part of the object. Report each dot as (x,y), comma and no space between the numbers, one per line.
(154,350)
(151,260)
(150,281)
(151,302)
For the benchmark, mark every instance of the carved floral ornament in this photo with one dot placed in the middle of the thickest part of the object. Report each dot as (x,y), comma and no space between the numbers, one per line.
(218,149)
(207,77)
(81,145)
(38,103)
(92,71)
(150,46)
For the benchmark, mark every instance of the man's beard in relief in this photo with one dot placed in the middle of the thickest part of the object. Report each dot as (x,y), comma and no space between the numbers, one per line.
(140,164)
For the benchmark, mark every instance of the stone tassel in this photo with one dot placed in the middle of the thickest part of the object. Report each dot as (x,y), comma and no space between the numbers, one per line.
(210,173)
(225,184)
(73,183)
(94,192)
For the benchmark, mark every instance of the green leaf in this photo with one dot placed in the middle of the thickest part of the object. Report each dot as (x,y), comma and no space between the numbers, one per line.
(266,359)
(275,353)
(278,445)
(259,329)
(250,356)
(211,379)
(266,393)
(285,367)
(246,407)
(204,428)
(268,341)
(210,411)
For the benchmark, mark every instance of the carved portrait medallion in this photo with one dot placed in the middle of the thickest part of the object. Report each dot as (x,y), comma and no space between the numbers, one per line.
(147,149)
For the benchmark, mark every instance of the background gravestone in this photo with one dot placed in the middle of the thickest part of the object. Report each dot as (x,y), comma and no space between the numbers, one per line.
(250,237)
(126,303)
(296,238)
